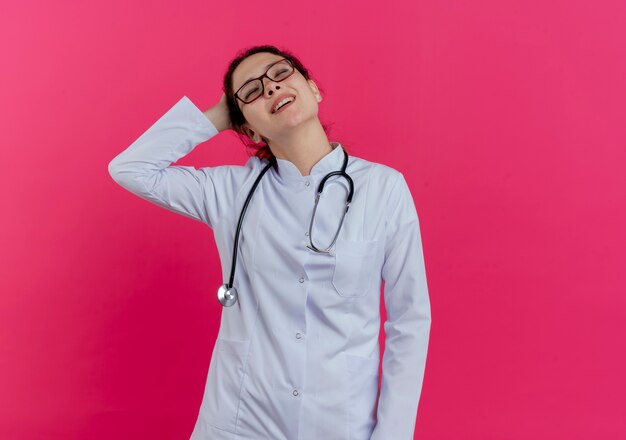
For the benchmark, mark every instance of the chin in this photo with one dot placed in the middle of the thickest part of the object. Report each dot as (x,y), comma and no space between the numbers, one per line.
(300,117)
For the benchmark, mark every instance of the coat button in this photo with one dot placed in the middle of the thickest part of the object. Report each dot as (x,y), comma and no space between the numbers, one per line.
(307,183)
(295,392)
(301,279)
(298,335)
(306,233)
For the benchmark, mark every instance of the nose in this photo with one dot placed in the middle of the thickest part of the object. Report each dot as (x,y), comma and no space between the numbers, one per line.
(270,87)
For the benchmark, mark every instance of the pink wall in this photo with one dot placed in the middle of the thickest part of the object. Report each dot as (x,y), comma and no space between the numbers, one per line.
(506,117)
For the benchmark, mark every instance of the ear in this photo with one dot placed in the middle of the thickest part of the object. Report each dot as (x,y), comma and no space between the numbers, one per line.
(315,90)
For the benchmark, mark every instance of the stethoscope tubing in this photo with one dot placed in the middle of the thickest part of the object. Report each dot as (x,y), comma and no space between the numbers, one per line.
(227,293)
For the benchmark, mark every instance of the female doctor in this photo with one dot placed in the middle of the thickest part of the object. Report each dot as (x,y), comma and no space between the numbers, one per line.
(305,233)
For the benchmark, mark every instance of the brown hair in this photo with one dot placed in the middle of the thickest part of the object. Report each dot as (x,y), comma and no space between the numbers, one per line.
(261,149)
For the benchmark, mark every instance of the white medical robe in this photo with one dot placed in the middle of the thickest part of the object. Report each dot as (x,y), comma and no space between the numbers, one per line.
(297,357)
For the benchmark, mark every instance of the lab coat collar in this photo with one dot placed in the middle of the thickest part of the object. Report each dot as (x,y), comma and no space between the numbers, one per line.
(333,161)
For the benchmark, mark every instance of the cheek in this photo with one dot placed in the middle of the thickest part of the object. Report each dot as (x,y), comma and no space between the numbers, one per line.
(255,112)
(258,119)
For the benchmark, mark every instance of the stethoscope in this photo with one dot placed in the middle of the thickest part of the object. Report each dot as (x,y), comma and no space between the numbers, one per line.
(227,293)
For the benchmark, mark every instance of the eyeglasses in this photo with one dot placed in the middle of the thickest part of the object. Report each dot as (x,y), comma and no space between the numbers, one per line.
(277,72)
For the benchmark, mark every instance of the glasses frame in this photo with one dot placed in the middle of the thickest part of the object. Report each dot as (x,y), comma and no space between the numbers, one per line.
(260,78)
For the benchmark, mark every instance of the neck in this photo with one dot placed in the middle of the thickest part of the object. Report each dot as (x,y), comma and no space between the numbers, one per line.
(303,146)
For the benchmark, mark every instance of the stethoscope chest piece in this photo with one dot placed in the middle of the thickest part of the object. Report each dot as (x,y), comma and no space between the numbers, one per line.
(227,296)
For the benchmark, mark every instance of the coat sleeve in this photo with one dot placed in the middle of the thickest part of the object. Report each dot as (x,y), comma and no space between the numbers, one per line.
(407,327)
(145,169)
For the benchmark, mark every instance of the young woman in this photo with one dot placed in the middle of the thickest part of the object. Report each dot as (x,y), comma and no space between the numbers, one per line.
(297,354)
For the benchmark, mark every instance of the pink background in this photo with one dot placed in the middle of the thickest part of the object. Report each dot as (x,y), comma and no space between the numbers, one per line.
(506,117)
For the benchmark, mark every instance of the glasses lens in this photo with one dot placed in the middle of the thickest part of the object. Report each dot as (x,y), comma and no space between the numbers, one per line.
(251,91)
(280,70)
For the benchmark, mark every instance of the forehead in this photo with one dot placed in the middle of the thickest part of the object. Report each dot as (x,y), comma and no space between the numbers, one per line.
(252,67)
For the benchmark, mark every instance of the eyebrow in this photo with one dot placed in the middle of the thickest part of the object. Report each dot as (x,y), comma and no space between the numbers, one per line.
(265,68)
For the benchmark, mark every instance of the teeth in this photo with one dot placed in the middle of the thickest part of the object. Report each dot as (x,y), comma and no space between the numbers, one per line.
(289,99)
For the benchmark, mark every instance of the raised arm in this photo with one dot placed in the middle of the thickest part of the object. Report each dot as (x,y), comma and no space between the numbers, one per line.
(407,327)
(145,169)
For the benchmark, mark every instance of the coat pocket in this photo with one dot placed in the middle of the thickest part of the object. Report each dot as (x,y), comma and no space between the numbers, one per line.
(224,383)
(355,266)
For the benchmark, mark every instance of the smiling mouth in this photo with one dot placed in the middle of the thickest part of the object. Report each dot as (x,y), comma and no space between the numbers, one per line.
(285,105)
